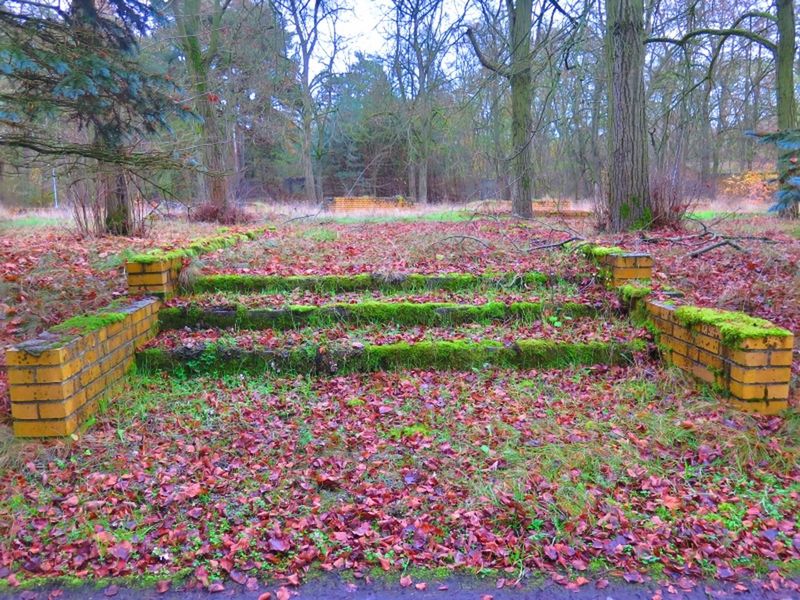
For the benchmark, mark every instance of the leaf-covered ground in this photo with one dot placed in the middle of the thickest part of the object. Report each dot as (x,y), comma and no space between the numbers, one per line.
(578,473)
(590,472)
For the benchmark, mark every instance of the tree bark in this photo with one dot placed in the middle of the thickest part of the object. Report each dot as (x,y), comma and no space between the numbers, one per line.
(629,193)
(521,100)
(118,217)
(784,77)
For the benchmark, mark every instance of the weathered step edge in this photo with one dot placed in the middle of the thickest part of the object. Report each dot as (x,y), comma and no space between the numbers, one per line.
(364,282)
(398,313)
(430,355)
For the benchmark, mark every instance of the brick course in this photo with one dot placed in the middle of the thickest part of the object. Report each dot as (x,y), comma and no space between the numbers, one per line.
(158,278)
(56,380)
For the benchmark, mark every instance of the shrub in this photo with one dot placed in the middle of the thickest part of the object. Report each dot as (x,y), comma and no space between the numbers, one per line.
(229,214)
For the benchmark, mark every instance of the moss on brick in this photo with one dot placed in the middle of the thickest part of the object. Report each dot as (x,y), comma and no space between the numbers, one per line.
(630,292)
(364,282)
(596,252)
(439,355)
(90,322)
(734,326)
(197,247)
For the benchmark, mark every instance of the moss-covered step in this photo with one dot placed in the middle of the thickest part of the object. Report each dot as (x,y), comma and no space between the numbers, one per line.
(364,282)
(397,313)
(218,357)
(200,246)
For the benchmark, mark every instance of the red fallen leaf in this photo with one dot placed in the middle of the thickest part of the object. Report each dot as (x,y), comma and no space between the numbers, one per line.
(111,590)
(192,490)
(633,577)
(121,550)
(265,596)
(362,530)
(284,594)
(487,597)
(293,579)
(195,513)
(421,586)
(601,584)
(12,580)
(55,594)
(71,501)
(443,587)
(278,544)
(251,584)
(238,577)
(162,587)
(405,581)
(202,575)
(216,587)
(500,583)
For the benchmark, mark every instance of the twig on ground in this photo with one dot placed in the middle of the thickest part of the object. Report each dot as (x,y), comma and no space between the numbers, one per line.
(719,244)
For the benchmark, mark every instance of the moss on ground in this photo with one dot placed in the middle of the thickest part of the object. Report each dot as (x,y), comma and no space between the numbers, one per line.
(364,282)
(397,313)
(219,358)
(734,326)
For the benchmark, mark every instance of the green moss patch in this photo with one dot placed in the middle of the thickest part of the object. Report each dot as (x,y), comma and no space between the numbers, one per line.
(364,282)
(198,247)
(734,326)
(631,292)
(596,252)
(430,355)
(90,322)
(397,313)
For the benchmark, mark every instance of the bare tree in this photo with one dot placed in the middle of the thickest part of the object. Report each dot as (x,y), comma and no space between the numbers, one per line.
(421,38)
(199,34)
(306,20)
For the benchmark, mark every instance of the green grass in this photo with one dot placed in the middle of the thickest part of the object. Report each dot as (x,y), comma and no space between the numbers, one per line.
(705,215)
(30,222)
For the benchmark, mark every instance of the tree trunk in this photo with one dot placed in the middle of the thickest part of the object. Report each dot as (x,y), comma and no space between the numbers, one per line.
(308,159)
(215,178)
(521,99)
(422,181)
(118,218)
(629,193)
(787,105)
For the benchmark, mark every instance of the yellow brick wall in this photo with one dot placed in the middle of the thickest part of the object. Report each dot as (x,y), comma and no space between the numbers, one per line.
(56,380)
(628,267)
(755,374)
(348,203)
(158,278)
